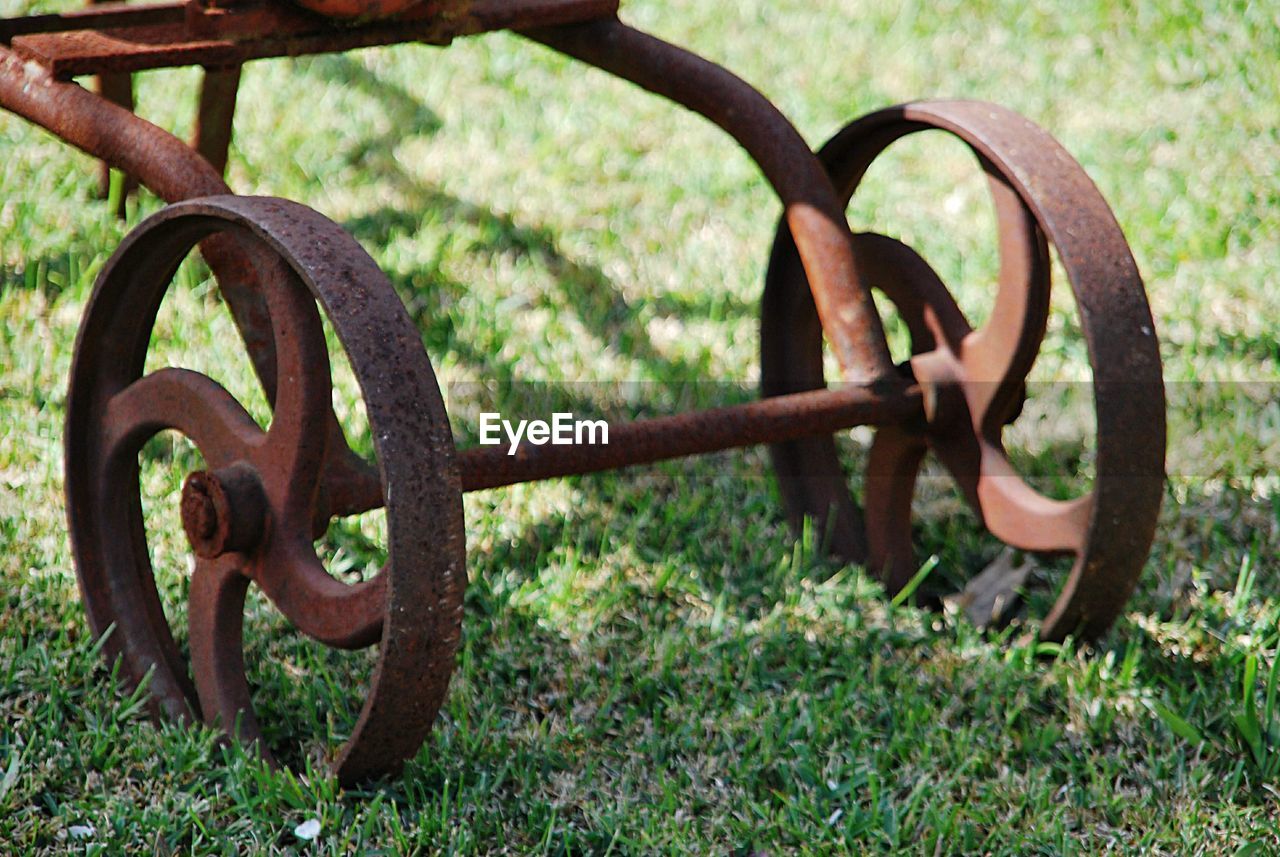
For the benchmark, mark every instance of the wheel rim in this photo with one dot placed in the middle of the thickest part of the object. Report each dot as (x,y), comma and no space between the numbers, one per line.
(252,514)
(1039,193)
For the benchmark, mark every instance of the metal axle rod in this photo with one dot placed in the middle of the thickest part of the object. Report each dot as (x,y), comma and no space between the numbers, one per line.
(818,412)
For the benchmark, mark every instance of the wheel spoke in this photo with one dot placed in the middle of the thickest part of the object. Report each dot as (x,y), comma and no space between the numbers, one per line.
(351,484)
(299,434)
(342,615)
(998,356)
(892,466)
(187,401)
(977,378)
(932,317)
(1009,508)
(968,413)
(1020,516)
(215,617)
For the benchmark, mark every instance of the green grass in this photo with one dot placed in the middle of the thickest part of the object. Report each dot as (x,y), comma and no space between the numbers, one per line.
(650,662)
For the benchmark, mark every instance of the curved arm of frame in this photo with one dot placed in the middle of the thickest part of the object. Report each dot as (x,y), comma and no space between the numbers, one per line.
(813,211)
(175,172)
(164,164)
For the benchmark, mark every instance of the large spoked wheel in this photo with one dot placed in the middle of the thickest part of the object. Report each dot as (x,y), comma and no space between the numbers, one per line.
(251,516)
(975,379)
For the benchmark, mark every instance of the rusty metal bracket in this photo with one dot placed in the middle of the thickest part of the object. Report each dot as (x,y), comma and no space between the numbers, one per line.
(119,37)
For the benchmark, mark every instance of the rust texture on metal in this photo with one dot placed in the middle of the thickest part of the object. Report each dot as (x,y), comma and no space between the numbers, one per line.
(215,117)
(194,33)
(643,441)
(975,379)
(249,515)
(252,513)
(99,16)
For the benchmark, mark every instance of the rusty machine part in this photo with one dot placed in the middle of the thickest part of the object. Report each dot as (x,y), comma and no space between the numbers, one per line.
(252,512)
(975,379)
(250,515)
(367,9)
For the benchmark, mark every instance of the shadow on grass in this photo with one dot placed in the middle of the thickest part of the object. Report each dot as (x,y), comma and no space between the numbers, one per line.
(603,309)
(599,303)
(405,112)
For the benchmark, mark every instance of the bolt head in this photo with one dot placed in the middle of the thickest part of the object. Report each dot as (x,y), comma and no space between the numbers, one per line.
(223,511)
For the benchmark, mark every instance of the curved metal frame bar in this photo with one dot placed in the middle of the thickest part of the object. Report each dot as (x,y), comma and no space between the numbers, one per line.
(163,163)
(812,209)
(174,171)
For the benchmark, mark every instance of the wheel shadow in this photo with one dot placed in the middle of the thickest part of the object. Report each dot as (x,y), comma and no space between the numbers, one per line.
(615,321)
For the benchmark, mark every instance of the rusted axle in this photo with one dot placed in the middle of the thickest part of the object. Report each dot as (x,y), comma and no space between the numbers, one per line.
(781,418)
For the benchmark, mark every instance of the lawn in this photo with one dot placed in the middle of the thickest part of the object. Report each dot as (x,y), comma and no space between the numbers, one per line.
(651,662)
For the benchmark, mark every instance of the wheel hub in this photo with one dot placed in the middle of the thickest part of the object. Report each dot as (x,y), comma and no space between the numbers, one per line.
(223,511)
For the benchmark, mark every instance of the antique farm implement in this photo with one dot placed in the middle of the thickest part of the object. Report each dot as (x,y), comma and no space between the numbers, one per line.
(253,514)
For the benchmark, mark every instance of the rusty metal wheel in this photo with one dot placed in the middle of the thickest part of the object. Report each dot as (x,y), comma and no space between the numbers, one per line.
(975,378)
(252,515)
